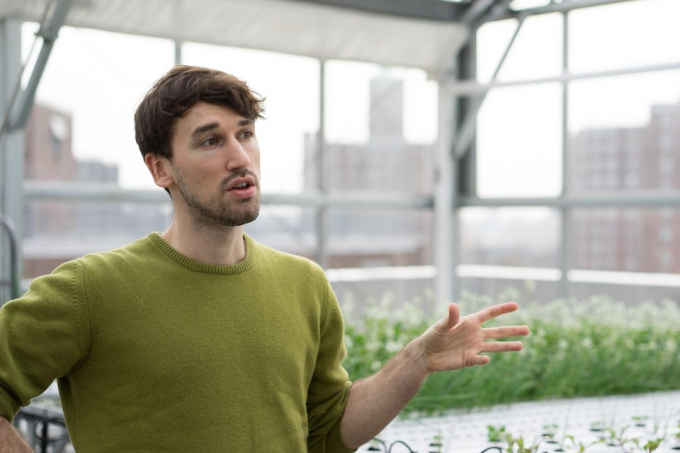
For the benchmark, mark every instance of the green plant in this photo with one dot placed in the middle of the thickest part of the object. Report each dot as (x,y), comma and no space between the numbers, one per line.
(640,420)
(618,437)
(579,446)
(509,443)
(495,433)
(549,431)
(652,445)
(436,443)
(592,347)
(521,448)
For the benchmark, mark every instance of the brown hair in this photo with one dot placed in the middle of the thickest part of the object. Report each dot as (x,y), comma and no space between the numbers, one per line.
(173,95)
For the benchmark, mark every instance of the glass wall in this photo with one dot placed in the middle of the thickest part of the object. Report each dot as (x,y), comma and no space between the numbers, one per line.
(618,140)
(380,130)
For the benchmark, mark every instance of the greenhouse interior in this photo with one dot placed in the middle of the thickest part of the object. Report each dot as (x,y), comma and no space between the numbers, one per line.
(418,154)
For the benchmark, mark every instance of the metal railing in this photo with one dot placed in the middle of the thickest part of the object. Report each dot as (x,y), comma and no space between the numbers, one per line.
(44,428)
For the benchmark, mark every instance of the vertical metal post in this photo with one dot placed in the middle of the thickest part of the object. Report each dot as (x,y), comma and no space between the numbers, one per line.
(178,52)
(563,254)
(11,151)
(322,231)
(444,260)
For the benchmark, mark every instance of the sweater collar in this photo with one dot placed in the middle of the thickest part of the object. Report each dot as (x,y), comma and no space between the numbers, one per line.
(187,262)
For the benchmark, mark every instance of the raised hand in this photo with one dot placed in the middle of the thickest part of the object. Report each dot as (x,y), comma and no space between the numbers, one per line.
(454,342)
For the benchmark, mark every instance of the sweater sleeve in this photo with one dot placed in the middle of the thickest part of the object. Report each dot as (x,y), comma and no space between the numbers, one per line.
(330,386)
(43,335)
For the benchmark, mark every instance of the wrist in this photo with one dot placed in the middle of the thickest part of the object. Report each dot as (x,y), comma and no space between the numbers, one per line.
(418,357)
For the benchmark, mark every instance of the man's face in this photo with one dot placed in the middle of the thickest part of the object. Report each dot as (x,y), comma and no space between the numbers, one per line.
(216,166)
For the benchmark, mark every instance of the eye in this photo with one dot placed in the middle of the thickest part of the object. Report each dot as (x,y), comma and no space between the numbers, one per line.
(247,134)
(210,142)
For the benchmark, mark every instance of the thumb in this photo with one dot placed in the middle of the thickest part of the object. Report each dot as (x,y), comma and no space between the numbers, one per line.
(454,315)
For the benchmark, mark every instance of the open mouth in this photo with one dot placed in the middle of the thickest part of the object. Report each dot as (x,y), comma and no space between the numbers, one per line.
(243,190)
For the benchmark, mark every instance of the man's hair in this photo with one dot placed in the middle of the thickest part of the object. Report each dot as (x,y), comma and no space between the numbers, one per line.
(173,95)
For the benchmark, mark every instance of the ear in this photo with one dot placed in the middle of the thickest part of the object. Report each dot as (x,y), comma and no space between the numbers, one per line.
(159,167)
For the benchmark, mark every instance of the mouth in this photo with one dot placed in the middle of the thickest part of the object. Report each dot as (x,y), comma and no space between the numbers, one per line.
(242,187)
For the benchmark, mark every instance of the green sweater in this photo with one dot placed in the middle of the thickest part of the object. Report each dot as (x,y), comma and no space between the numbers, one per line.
(155,352)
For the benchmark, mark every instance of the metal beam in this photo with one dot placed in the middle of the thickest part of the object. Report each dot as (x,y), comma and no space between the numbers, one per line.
(476,10)
(469,127)
(321,173)
(15,281)
(565,234)
(68,191)
(444,192)
(554,8)
(11,150)
(470,87)
(49,31)
(594,200)
(413,9)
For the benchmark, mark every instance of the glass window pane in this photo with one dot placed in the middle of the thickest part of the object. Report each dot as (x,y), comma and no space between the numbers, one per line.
(290,85)
(286,228)
(536,52)
(379,238)
(624,35)
(519,142)
(90,89)
(380,256)
(623,133)
(525,237)
(56,232)
(380,128)
(509,290)
(626,240)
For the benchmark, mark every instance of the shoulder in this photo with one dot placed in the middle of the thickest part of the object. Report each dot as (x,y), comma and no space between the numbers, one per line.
(286,263)
(130,254)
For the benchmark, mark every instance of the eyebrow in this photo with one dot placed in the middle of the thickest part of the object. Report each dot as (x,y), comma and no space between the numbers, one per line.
(210,126)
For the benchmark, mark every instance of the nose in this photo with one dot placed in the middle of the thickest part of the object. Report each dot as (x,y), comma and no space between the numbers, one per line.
(236,155)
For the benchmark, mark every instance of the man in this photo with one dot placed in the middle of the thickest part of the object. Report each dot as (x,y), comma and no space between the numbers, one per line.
(199,339)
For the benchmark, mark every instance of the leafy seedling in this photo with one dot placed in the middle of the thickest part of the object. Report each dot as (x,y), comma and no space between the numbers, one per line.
(549,432)
(509,443)
(521,448)
(652,445)
(579,446)
(596,427)
(617,438)
(495,433)
(436,444)
(640,420)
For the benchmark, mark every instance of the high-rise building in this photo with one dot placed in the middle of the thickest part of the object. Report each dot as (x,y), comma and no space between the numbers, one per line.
(627,160)
(387,164)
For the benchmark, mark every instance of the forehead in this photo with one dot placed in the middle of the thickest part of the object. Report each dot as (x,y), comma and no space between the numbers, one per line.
(203,112)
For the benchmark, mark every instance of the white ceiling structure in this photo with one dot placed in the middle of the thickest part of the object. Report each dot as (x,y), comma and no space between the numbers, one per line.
(300,28)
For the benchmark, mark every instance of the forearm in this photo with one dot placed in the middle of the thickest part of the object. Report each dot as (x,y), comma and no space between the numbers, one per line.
(10,439)
(375,401)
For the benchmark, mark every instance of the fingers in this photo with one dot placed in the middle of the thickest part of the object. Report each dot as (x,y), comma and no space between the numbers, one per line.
(496,311)
(480,360)
(454,315)
(501,346)
(502,332)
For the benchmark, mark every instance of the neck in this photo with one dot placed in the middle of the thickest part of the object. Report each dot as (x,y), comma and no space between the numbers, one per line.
(221,245)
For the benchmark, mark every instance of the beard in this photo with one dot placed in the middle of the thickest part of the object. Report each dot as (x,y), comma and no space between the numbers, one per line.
(215,212)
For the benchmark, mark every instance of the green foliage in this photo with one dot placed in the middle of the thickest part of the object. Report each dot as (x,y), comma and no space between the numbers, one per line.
(589,348)
(495,433)
(579,446)
(652,445)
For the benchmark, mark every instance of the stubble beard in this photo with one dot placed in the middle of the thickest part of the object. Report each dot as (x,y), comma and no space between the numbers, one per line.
(216,212)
